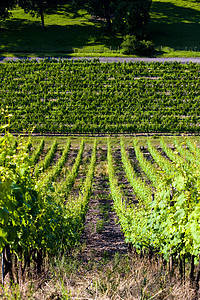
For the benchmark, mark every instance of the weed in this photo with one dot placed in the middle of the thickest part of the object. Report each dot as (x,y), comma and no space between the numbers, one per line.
(123,277)
(100,225)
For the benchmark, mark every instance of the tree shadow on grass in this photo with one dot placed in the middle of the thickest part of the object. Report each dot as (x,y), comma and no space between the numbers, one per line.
(67,10)
(174,26)
(22,35)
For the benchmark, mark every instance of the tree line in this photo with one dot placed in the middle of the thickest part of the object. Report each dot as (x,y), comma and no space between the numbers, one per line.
(127,17)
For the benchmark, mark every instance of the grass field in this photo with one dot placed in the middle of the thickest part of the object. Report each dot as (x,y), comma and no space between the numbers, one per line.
(174,28)
(66,33)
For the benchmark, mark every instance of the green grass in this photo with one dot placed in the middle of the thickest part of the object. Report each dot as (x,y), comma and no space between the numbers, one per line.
(66,33)
(174,28)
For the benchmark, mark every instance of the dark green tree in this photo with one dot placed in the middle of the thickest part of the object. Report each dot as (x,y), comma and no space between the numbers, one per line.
(5,6)
(132,17)
(124,16)
(101,9)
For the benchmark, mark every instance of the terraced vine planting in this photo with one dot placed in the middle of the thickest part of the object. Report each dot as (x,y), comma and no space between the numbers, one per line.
(92,97)
(111,198)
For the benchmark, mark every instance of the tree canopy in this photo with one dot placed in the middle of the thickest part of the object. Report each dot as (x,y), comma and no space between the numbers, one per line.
(123,16)
(5,6)
(132,16)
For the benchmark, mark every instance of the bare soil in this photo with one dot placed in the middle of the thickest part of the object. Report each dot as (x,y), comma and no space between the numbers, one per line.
(102,235)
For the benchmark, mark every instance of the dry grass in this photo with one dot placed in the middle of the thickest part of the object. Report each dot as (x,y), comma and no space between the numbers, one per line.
(126,277)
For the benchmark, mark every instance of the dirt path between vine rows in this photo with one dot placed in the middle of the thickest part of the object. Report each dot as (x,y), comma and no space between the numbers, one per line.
(102,234)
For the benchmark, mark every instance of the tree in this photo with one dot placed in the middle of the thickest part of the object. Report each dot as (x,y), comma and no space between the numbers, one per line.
(5,6)
(132,17)
(101,9)
(124,16)
(38,7)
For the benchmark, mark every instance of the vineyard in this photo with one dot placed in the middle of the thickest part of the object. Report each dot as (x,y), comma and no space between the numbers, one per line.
(47,188)
(91,97)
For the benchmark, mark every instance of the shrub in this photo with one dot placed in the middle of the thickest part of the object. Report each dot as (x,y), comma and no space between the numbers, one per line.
(131,45)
